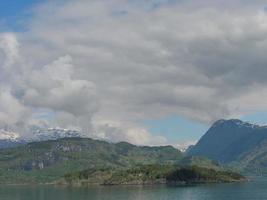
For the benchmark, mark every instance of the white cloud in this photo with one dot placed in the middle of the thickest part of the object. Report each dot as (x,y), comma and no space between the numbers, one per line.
(116,132)
(11,111)
(54,87)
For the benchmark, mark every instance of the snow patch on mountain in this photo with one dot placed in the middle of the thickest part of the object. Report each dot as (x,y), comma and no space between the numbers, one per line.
(8,135)
(238,123)
(185,145)
(56,133)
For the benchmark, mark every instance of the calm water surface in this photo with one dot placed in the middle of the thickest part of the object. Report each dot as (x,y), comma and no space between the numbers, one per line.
(254,190)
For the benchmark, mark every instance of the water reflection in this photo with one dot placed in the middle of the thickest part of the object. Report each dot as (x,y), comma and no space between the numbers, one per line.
(255,190)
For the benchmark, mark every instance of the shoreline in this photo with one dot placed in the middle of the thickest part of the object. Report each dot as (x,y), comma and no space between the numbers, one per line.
(163,183)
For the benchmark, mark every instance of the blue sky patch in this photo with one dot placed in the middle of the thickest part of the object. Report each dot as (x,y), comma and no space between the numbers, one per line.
(176,128)
(13,14)
(258,118)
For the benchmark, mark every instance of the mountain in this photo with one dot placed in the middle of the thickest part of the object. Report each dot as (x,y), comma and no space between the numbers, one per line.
(8,135)
(47,161)
(9,139)
(43,134)
(229,141)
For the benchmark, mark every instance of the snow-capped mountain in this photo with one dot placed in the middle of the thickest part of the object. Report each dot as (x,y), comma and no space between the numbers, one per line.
(183,147)
(8,135)
(13,139)
(238,123)
(55,133)
(9,139)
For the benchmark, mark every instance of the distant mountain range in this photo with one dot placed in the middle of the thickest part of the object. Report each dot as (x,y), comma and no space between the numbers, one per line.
(47,161)
(234,141)
(11,139)
(56,152)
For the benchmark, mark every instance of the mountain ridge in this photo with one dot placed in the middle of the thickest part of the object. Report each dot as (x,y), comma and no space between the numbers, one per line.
(46,161)
(230,141)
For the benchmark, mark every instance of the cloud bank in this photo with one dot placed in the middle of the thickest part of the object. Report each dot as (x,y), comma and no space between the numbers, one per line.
(104,66)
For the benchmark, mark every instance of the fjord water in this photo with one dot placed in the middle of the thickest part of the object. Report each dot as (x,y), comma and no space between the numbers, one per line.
(255,189)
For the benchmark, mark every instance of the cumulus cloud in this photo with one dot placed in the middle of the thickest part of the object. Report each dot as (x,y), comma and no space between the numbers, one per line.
(11,111)
(94,64)
(53,87)
(116,131)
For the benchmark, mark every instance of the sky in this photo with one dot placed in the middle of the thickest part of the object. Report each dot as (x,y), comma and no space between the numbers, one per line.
(14,13)
(151,72)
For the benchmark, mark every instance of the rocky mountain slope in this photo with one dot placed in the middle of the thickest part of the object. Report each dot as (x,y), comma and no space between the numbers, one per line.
(46,161)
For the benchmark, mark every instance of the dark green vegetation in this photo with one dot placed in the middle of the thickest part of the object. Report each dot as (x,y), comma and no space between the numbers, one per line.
(197,174)
(88,161)
(200,162)
(235,143)
(151,174)
(42,162)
